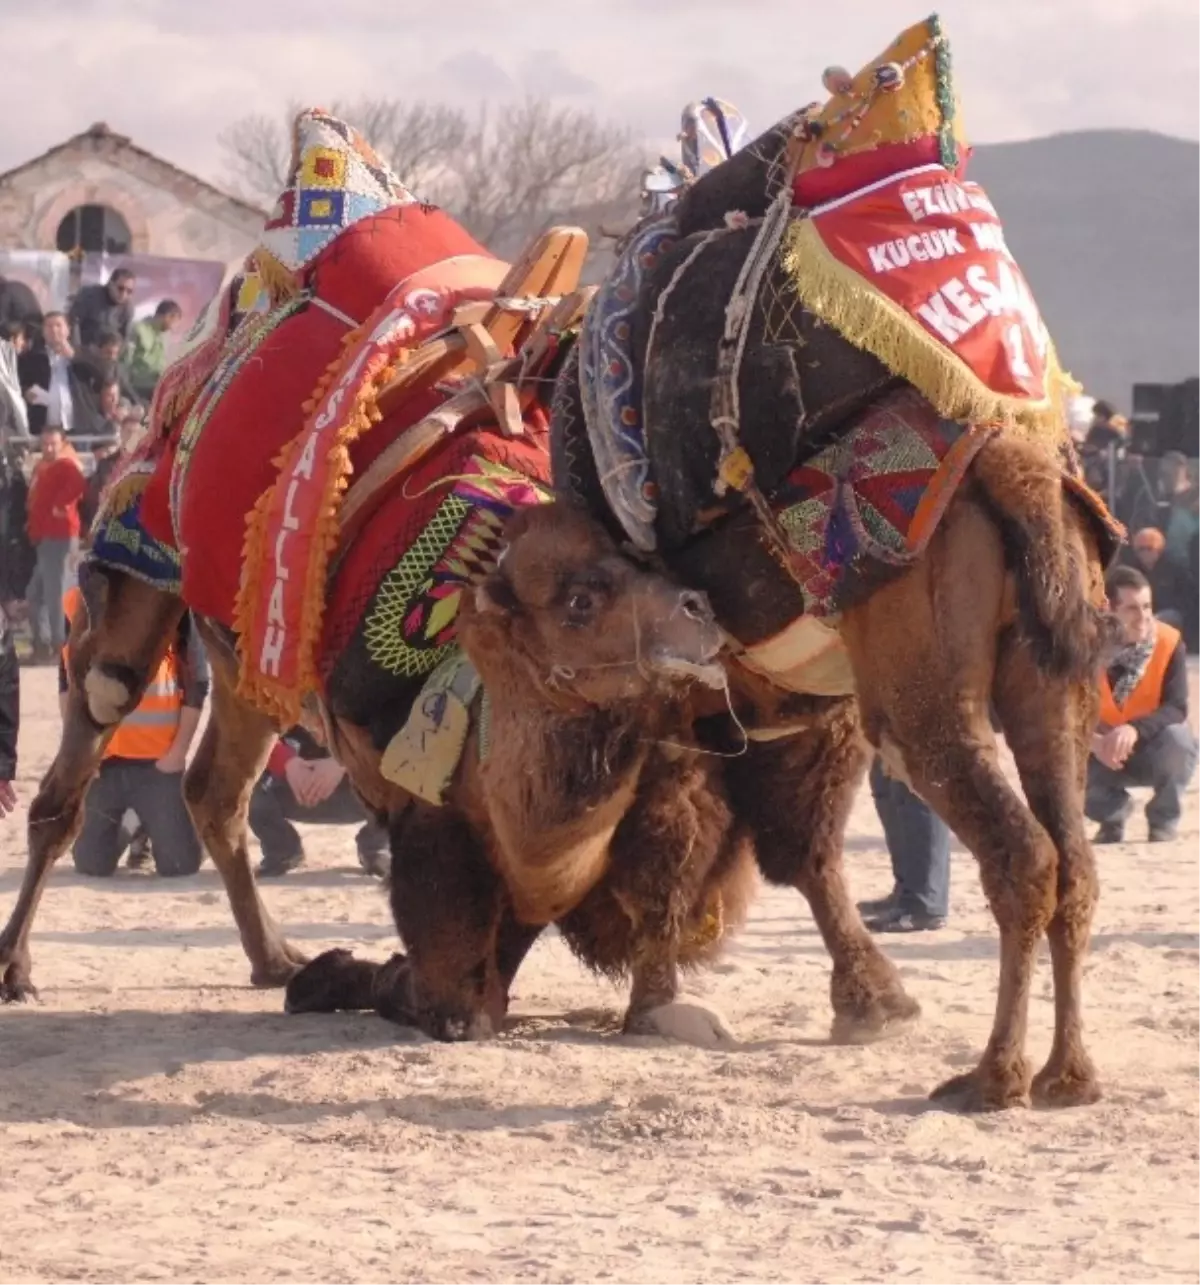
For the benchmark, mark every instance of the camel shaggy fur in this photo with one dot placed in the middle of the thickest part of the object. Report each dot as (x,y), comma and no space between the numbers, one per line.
(589,810)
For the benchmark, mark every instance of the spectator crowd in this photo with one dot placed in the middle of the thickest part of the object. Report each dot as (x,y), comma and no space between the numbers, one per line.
(75,388)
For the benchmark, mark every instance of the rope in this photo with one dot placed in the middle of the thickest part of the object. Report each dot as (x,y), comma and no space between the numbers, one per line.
(735,467)
(333,312)
(725,413)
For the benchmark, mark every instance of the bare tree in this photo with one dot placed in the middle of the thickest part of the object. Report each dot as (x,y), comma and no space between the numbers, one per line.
(527,165)
(259,151)
(506,174)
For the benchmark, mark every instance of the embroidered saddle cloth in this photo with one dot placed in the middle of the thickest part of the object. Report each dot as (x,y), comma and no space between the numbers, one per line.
(344,237)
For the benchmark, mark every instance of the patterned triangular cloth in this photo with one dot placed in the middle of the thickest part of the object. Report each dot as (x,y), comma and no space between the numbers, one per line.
(902,255)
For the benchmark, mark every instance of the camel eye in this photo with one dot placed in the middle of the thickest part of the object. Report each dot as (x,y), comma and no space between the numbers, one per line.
(581,603)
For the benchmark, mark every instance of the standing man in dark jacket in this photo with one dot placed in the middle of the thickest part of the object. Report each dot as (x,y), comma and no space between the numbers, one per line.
(107,307)
(10,716)
(1143,738)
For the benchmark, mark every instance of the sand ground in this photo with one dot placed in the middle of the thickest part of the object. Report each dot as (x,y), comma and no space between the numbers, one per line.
(161,1121)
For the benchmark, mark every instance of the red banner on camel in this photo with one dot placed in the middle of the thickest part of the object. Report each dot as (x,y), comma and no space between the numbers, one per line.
(916,269)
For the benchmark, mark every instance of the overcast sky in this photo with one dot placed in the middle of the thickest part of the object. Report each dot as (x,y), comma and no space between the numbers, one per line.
(172,73)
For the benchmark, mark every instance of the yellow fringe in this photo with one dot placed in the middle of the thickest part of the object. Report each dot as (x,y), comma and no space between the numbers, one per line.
(121,494)
(280,282)
(282,701)
(843,299)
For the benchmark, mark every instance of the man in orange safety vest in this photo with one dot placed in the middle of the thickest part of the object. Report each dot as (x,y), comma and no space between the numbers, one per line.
(142,768)
(1143,737)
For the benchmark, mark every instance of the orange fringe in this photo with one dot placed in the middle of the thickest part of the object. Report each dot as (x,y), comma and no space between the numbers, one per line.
(278,699)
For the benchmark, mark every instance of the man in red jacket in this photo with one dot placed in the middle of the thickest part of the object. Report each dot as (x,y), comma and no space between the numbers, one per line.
(57,486)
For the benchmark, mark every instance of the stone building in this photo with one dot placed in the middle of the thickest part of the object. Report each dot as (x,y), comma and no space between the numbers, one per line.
(100,192)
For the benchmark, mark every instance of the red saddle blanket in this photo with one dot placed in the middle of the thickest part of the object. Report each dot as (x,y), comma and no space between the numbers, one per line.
(224,454)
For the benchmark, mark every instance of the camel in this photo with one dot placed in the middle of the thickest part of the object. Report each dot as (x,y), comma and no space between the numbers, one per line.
(594,815)
(1003,611)
(590,813)
(594,807)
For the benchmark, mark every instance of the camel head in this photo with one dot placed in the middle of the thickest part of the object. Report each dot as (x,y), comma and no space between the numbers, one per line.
(567,614)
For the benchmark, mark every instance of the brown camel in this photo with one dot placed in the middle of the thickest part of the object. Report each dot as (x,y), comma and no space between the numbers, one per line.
(1003,611)
(589,812)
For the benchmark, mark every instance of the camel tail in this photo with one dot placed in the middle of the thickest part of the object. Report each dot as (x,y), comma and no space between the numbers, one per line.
(1053,554)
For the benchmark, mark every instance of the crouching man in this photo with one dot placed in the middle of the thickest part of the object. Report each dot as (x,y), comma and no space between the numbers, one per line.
(1143,738)
(304,782)
(143,764)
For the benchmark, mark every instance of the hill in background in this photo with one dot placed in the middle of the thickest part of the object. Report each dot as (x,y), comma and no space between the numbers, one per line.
(1106,226)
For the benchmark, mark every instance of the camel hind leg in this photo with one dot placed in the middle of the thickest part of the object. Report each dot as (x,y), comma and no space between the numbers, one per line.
(1048,723)
(924,652)
(114,648)
(217,787)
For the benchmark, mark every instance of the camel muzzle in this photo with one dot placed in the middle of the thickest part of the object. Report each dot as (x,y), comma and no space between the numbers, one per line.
(686,641)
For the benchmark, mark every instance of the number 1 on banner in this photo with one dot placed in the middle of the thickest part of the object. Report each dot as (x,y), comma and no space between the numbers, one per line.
(1016,351)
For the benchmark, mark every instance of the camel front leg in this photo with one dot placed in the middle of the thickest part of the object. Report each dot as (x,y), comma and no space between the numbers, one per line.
(217,787)
(112,653)
(669,858)
(796,793)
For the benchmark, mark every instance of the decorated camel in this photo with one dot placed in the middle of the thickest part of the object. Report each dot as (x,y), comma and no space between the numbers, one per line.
(818,388)
(815,388)
(552,780)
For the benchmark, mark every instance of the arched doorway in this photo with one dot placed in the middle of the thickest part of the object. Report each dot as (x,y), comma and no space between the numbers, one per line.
(94,229)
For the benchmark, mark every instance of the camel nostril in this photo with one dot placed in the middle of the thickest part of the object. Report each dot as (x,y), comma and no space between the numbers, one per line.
(695,606)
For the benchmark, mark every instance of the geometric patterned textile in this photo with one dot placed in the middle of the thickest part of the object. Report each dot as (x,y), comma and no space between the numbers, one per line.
(336,179)
(863,509)
(119,540)
(393,601)
(412,625)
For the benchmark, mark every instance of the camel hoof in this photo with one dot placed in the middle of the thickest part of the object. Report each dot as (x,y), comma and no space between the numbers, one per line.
(16,988)
(1075,1085)
(458,1029)
(279,969)
(331,983)
(980,1091)
(881,1018)
(686,1020)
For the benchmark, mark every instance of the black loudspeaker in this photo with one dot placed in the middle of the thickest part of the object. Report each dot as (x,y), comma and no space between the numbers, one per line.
(1146,417)
(1182,431)
(1166,417)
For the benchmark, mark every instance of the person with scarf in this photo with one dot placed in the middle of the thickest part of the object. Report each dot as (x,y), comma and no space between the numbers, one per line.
(1143,738)
(1147,553)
